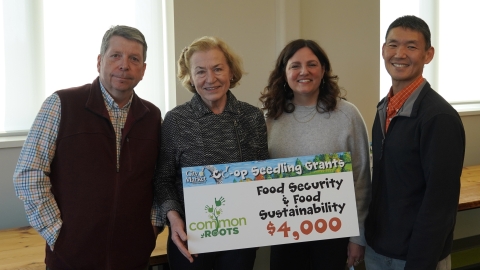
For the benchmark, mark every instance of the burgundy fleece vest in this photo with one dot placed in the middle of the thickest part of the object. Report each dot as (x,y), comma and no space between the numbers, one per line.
(105,213)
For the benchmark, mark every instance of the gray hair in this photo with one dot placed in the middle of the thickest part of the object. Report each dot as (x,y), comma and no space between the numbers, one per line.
(127,32)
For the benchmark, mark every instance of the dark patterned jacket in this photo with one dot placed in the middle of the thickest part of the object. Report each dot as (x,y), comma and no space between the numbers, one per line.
(192,135)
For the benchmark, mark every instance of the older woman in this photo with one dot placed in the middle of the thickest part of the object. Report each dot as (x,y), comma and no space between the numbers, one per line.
(307,116)
(212,128)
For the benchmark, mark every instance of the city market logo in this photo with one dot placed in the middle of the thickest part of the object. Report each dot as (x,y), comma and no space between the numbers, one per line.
(196,177)
(216,226)
(199,177)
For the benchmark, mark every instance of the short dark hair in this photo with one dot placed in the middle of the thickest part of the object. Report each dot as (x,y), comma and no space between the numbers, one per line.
(413,23)
(277,93)
(127,32)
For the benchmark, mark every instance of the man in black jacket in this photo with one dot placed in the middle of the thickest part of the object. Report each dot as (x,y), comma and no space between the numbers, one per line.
(418,150)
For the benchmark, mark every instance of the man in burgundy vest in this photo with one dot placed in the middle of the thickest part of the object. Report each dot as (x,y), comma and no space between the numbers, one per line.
(86,169)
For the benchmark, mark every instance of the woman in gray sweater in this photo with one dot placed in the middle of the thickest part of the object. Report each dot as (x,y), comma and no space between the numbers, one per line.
(306,116)
(212,128)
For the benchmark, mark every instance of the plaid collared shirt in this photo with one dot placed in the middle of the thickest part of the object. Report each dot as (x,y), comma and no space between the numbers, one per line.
(395,102)
(31,177)
(118,117)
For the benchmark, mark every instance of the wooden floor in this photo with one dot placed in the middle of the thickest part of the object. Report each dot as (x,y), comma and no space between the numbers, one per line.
(23,248)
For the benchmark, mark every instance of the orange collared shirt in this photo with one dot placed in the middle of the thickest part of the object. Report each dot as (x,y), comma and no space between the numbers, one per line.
(395,102)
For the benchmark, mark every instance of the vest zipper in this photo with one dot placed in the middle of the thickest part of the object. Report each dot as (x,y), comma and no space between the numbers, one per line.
(112,225)
(238,139)
(114,210)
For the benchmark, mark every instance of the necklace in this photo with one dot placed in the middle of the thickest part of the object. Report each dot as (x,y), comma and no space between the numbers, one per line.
(311,113)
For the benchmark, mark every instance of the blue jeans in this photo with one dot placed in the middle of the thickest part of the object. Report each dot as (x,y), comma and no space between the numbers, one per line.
(375,261)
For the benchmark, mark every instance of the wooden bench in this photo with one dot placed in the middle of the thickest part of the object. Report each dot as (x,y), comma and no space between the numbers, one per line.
(470,190)
(24,248)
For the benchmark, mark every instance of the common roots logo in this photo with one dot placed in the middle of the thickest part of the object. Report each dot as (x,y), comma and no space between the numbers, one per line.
(215,211)
(215,226)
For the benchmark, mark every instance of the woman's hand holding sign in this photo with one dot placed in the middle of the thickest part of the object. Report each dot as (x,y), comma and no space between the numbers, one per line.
(179,237)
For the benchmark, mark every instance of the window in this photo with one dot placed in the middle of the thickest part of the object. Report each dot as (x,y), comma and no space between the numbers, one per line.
(457,38)
(453,25)
(53,44)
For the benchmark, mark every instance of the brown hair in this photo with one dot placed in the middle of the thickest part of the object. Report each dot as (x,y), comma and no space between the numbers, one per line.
(277,93)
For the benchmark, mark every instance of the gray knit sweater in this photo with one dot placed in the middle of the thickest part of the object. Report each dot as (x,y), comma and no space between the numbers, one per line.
(192,135)
(338,131)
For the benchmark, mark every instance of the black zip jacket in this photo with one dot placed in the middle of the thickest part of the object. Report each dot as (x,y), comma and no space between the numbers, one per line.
(417,166)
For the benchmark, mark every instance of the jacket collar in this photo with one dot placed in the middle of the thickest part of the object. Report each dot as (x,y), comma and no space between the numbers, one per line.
(409,108)
(96,104)
(200,109)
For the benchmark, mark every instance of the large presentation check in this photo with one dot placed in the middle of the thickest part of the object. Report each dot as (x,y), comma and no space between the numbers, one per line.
(270,202)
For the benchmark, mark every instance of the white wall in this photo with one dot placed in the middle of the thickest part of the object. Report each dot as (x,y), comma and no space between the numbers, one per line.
(348,31)
(12,213)
(247,26)
(471,124)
